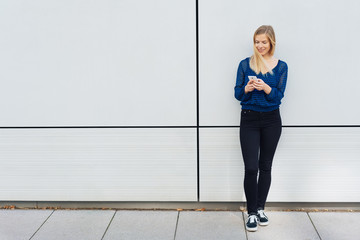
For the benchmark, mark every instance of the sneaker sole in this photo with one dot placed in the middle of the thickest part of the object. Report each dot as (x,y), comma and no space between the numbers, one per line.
(251,229)
(263,224)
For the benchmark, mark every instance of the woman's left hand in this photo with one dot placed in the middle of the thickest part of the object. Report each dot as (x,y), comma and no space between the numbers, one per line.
(261,86)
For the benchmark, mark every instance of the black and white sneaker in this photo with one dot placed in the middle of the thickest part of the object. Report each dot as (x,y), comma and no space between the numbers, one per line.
(251,223)
(263,219)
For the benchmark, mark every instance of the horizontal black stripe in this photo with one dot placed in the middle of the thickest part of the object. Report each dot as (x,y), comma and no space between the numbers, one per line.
(34,127)
(285,126)
(320,126)
(291,126)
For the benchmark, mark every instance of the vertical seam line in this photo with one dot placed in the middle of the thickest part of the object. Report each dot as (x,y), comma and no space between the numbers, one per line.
(197,100)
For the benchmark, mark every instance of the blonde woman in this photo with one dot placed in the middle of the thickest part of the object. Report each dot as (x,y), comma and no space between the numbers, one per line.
(260,86)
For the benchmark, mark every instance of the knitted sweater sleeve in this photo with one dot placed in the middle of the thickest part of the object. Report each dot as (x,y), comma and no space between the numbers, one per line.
(277,93)
(241,83)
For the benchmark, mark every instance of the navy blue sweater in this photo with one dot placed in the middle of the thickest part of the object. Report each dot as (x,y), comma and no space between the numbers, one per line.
(259,100)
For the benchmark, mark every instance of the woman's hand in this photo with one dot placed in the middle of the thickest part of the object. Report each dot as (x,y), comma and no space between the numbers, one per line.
(261,86)
(249,86)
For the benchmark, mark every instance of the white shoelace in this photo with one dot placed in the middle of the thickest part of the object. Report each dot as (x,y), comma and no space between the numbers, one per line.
(252,218)
(262,214)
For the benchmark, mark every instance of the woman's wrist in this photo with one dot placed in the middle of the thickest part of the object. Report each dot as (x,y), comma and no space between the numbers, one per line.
(267,89)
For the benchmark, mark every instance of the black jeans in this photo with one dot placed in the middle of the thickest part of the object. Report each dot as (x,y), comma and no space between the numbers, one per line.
(259,136)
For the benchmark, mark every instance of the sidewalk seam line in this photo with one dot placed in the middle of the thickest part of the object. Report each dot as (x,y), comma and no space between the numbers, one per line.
(177,221)
(313,225)
(42,224)
(107,228)
(246,234)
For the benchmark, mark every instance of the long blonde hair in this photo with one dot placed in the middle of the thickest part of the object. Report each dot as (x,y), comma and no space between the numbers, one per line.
(257,62)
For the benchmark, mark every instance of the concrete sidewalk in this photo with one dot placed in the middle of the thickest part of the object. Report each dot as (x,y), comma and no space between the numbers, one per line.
(179,225)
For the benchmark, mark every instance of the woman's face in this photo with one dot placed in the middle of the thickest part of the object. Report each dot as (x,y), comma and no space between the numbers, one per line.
(262,44)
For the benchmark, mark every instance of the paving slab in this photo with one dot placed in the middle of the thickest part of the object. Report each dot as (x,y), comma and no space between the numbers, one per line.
(337,225)
(210,225)
(75,225)
(142,225)
(21,224)
(285,226)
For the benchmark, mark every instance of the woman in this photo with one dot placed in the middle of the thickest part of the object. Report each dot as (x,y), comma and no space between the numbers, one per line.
(260,86)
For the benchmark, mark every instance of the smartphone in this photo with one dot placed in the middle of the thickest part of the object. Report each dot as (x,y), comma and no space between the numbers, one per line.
(252,77)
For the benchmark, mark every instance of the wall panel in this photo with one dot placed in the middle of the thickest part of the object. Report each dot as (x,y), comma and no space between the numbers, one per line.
(310,165)
(98,63)
(98,165)
(315,38)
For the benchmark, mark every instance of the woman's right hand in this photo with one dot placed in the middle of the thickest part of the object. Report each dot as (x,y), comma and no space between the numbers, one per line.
(249,86)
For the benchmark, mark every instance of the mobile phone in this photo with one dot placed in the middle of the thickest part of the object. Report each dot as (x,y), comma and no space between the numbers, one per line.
(252,77)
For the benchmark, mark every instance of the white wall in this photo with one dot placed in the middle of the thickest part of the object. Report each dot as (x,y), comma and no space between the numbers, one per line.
(98,63)
(310,165)
(316,38)
(90,63)
(98,164)
(132,64)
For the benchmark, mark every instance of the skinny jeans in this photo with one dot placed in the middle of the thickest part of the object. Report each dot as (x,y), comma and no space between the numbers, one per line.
(259,135)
